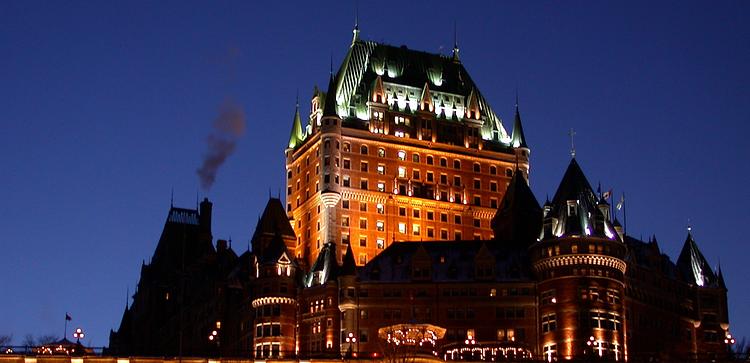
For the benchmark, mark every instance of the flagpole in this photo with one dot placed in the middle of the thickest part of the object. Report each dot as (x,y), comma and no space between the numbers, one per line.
(65,332)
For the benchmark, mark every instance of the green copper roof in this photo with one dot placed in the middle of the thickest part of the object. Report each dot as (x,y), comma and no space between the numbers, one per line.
(296,136)
(367,60)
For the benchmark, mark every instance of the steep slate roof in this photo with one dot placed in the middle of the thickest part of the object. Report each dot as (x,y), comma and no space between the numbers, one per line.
(349,266)
(693,265)
(647,255)
(519,218)
(273,220)
(325,267)
(394,264)
(365,60)
(575,186)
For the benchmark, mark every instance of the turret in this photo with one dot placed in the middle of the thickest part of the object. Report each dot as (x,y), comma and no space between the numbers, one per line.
(578,261)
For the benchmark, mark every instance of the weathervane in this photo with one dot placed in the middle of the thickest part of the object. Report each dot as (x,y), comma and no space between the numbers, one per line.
(572,133)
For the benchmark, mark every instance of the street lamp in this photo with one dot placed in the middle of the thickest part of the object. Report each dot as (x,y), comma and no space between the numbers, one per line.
(595,345)
(78,334)
(350,339)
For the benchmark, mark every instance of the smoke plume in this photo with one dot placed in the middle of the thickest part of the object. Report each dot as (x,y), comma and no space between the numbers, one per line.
(227,129)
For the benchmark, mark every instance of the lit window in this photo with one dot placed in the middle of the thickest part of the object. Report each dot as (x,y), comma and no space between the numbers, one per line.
(381,187)
(416,230)
(381,169)
(380,243)
(402,155)
(380,208)
(362,258)
(380,226)
(401,172)
(402,227)
(381,152)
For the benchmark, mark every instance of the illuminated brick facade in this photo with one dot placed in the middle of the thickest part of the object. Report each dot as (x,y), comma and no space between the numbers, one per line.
(405,153)
(409,222)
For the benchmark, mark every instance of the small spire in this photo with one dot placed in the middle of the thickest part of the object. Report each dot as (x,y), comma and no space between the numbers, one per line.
(455,43)
(689,226)
(171,199)
(572,133)
(517,137)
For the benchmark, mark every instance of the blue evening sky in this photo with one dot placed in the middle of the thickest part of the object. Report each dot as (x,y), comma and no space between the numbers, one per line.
(105,107)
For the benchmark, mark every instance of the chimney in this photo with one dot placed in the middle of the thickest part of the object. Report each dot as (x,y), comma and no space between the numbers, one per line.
(205,215)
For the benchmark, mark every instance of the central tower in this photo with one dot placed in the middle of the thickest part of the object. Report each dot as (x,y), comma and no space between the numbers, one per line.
(402,146)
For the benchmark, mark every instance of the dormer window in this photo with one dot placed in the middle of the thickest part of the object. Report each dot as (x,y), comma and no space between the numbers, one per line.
(571,208)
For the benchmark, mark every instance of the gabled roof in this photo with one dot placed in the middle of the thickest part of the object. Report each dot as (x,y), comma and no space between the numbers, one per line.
(519,217)
(693,265)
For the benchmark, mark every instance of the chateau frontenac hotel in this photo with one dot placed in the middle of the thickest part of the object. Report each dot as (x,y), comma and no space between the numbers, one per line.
(409,231)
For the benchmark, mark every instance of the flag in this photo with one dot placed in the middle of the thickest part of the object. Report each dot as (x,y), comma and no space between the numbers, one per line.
(607,194)
(621,202)
(68,317)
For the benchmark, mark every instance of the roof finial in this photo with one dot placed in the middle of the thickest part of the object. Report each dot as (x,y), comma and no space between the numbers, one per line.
(516,97)
(355,37)
(455,42)
(689,227)
(296,99)
(171,198)
(572,133)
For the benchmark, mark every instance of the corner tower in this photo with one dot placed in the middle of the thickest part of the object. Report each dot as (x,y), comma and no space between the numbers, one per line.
(579,262)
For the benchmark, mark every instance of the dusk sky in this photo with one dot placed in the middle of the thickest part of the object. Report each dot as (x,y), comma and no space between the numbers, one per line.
(105,107)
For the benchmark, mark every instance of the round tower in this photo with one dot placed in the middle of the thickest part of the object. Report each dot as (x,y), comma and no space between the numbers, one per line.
(579,261)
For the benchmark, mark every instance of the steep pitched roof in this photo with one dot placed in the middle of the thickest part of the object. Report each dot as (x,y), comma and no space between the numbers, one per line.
(296,136)
(367,60)
(325,267)
(575,187)
(449,261)
(349,266)
(273,220)
(519,217)
(693,265)
(330,108)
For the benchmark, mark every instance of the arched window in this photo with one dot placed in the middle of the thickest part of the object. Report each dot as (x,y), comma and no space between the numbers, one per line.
(363,149)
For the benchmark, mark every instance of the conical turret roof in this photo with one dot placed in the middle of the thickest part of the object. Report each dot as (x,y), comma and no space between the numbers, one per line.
(517,137)
(693,265)
(519,217)
(296,136)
